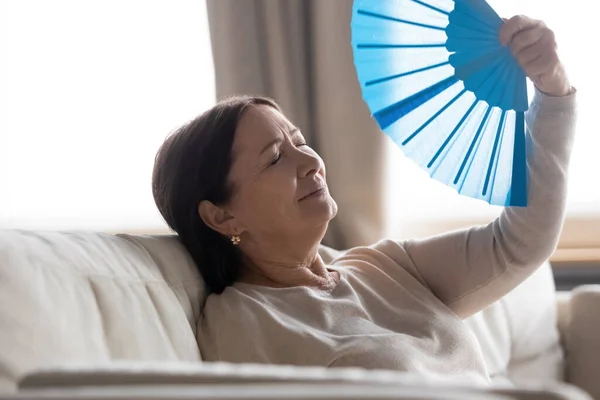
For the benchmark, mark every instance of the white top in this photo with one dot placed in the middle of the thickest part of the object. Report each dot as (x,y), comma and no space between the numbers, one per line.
(399,305)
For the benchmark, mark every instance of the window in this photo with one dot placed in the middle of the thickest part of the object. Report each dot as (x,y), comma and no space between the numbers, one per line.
(90,89)
(419,205)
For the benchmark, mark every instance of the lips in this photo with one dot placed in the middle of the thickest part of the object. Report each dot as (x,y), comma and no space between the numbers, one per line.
(313,192)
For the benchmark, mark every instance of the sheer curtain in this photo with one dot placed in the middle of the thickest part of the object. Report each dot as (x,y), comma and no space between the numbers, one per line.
(89,90)
(418,205)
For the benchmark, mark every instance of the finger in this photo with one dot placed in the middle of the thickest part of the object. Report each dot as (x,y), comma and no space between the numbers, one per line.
(514,25)
(546,62)
(546,44)
(526,38)
(526,56)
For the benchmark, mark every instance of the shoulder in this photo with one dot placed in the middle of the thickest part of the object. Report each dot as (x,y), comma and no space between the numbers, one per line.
(249,325)
(387,247)
(385,251)
(225,309)
(230,326)
(234,306)
(247,309)
(387,256)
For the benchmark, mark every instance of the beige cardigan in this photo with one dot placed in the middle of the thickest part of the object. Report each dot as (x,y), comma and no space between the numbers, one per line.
(399,305)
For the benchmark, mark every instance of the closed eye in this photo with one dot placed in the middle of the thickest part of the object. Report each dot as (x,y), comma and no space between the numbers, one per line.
(276,160)
(279,155)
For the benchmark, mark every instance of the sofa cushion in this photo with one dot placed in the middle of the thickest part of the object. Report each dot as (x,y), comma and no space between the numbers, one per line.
(519,334)
(90,297)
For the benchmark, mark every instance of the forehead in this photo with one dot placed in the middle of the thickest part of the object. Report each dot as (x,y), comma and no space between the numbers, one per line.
(257,126)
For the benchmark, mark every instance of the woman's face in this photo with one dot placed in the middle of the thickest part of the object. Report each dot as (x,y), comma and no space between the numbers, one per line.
(280,188)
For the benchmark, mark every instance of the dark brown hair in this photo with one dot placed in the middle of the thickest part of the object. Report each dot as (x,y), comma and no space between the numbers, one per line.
(193,165)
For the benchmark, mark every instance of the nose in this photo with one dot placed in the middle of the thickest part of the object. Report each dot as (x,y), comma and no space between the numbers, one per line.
(310,164)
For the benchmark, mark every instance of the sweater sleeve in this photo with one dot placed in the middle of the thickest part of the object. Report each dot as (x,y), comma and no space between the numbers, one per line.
(470,269)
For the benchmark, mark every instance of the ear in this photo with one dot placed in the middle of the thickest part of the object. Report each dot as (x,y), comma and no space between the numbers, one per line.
(218,218)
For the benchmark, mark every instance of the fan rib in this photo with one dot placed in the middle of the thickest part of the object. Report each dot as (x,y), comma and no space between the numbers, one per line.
(521,92)
(493,160)
(431,7)
(477,64)
(508,92)
(465,18)
(430,120)
(391,77)
(473,142)
(475,41)
(398,46)
(487,12)
(390,114)
(456,128)
(496,96)
(495,170)
(518,188)
(494,82)
(457,25)
(389,18)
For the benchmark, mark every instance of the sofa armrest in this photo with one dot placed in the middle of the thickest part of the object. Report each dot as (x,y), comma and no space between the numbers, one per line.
(283,382)
(563,312)
(582,339)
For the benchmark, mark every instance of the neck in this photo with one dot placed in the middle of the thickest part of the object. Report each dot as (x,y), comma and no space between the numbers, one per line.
(284,265)
(286,275)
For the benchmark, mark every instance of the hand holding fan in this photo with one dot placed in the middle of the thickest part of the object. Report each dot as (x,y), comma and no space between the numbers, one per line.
(439,83)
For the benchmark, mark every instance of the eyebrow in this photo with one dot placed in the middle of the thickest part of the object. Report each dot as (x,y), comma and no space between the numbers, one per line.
(278,140)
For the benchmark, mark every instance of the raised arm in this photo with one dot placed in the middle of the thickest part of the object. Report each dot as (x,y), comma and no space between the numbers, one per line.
(468,270)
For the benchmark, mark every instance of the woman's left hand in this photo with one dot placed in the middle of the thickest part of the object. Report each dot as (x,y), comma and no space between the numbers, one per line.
(534,46)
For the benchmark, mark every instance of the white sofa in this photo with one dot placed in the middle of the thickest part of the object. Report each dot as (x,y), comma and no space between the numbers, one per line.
(92,315)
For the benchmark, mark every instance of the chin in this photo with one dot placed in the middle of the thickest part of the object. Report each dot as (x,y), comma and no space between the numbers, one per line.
(334,208)
(321,211)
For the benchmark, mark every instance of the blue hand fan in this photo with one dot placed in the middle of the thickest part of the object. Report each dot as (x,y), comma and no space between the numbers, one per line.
(439,83)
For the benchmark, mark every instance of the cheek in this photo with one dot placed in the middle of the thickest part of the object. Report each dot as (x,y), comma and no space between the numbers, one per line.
(271,197)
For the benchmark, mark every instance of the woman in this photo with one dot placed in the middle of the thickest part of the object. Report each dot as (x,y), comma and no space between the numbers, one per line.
(249,200)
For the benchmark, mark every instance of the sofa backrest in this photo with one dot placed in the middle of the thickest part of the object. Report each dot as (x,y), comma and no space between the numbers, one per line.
(92,297)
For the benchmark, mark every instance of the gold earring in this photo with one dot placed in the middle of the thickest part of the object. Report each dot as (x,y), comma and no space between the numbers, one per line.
(235,239)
